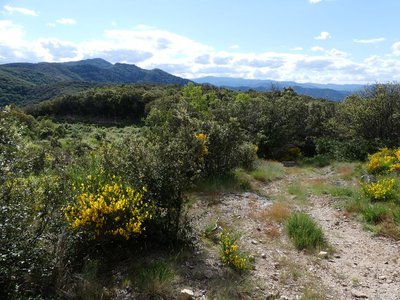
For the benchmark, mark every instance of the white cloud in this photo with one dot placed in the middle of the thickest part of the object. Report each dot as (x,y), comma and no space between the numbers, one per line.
(317,48)
(396,48)
(150,47)
(314,1)
(324,35)
(297,49)
(336,52)
(66,21)
(25,11)
(234,47)
(369,41)
(11,35)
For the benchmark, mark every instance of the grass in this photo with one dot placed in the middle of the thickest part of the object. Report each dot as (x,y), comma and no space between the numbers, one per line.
(348,170)
(382,218)
(305,233)
(238,180)
(232,285)
(278,212)
(338,191)
(311,294)
(267,171)
(317,161)
(290,270)
(155,281)
(299,191)
(375,213)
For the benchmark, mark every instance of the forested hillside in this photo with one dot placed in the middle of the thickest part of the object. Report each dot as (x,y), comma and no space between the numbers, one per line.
(24,83)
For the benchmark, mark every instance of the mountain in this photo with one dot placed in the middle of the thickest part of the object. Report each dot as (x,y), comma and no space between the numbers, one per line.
(23,83)
(335,92)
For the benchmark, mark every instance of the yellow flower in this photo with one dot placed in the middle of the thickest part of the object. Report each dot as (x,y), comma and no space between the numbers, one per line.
(112,205)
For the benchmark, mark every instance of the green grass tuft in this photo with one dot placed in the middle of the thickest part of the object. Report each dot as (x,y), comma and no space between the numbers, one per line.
(155,281)
(375,213)
(299,191)
(304,232)
(267,171)
(238,180)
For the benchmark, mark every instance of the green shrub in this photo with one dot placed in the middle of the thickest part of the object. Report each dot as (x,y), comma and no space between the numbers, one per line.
(375,213)
(155,281)
(396,215)
(231,255)
(304,232)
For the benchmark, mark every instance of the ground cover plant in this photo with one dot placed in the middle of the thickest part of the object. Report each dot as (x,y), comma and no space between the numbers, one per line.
(73,192)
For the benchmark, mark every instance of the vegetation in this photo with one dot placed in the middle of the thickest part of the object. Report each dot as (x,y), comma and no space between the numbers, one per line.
(146,147)
(230,253)
(304,232)
(378,201)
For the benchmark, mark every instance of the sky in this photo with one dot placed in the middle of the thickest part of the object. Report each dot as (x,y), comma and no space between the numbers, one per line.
(320,41)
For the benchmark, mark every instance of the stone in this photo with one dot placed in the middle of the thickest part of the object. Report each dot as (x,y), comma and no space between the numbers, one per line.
(382,277)
(264,255)
(368,178)
(359,294)
(186,294)
(254,242)
(323,254)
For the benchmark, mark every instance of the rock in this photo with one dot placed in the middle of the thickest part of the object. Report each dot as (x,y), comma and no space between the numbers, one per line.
(368,178)
(186,294)
(254,242)
(358,294)
(382,277)
(323,254)
(264,255)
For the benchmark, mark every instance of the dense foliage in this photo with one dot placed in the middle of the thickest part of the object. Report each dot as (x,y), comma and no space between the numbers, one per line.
(128,178)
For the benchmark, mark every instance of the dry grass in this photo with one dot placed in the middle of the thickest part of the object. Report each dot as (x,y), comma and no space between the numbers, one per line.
(345,171)
(273,231)
(277,212)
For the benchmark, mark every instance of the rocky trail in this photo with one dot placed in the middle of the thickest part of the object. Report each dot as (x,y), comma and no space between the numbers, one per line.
(357,265)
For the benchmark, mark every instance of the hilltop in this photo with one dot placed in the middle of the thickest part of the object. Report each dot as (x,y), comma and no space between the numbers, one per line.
(21,83)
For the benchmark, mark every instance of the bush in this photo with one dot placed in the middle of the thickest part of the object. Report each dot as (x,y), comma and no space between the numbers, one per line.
(30,225)
(108,208)
(304,232)
(374,213)
(230,253)
(384,161)
(382,190)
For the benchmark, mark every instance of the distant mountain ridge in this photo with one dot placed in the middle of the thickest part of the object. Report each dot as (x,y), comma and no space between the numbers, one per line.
(24,82)
(335,92)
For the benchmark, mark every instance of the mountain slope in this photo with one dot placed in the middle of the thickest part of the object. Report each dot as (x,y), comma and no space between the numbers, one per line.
(335,92)
(23,83)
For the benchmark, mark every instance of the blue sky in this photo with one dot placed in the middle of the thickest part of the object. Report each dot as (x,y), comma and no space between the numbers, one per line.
(324,41)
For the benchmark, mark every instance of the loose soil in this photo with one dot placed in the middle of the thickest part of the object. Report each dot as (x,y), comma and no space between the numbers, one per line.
(359,265)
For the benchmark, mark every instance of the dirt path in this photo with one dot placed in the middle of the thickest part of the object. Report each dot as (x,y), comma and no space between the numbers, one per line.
(363,266)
